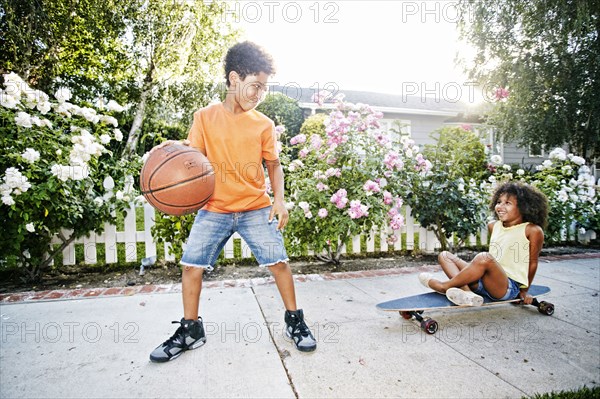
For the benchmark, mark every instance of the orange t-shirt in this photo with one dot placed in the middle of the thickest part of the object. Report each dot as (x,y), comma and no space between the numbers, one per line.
(235,145)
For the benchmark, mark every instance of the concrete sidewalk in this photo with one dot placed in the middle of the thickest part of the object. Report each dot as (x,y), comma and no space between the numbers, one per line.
(99,347)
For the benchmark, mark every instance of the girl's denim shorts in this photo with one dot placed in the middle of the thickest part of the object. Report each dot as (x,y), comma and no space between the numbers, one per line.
(212,230)
(511,293)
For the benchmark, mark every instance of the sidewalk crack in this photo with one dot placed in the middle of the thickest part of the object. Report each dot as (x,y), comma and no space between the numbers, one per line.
(283,353)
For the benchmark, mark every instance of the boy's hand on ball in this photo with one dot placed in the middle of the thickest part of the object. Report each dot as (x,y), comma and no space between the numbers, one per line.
(169,142)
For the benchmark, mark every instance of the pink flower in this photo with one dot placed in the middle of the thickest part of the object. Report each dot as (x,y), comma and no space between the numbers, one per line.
(501,93)
(279,130)
(371,187)
(387,198)
(303,153)
(357,210)
(322,213)
(339,198)
(467,127)
(381,138)
(422,164)
(392,161)
(333,172)
(298,139)
(397,222)
(316,141)
(321,97)
(322,187)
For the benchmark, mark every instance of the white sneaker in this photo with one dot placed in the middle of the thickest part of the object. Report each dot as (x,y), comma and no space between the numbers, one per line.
(463,298)
(424,279)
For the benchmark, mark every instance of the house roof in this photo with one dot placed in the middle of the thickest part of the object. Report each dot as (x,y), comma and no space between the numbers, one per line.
(390,103)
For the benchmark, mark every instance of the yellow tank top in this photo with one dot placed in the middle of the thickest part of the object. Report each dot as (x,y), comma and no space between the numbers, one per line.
(510,247)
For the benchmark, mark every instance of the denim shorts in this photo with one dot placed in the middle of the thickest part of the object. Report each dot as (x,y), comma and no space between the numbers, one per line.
(511,293)
(212,230)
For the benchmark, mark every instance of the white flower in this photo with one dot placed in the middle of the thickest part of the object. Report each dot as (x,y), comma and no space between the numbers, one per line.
(63,110)
(520,172)
(44,107)
(15,85)
(562,196)
(30,155)
(506,167)
(558,153)
(99,201)
(109,120)
(23,119)
(8,100)
(66,172)
(578,160)
(35,97)
(12,77)
(30,227)
(461,187)
(303,205)
(62,95)
(547,163)
(89,114)
(14,180)
(113,106)
(118,134)
(26,254)
(47,123)
(496,160)
(8,200)
(105,139)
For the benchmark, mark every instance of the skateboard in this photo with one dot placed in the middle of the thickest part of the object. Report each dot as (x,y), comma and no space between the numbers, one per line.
(412,307)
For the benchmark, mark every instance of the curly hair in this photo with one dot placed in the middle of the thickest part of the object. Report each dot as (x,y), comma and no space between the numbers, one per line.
(532,203)
(248,58)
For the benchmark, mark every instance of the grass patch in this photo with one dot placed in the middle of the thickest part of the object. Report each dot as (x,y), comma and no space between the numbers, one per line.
(583,393)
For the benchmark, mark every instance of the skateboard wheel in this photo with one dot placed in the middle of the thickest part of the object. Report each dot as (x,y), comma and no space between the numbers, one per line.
(546,308)
(406,315)
(430,326)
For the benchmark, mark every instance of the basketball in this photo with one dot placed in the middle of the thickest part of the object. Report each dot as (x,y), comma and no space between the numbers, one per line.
(177,179)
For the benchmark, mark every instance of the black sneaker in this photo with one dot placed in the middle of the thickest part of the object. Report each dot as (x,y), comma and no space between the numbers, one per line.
(296,329)
(189,335)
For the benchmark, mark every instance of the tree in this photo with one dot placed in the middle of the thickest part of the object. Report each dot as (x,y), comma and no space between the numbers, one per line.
(177,46)
(451,199)
(160,58)
(283,111)
(540,60)
(67,43)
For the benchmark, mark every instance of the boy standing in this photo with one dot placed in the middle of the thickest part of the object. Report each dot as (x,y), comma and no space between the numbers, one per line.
(237,139)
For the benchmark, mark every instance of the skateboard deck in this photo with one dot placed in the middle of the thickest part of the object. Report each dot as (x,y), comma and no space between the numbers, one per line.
(413,306)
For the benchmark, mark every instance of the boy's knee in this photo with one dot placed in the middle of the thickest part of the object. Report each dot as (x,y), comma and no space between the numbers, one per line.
(279,266)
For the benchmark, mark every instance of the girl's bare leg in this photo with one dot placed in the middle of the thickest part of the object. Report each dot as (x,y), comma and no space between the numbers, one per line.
(461,274)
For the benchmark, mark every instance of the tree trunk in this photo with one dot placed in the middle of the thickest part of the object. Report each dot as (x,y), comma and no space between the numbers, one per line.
(138,120)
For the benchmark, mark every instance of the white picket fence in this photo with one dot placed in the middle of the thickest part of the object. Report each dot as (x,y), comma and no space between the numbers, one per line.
(130,236)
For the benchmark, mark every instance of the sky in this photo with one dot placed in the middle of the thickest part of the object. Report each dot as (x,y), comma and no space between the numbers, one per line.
(395,47)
